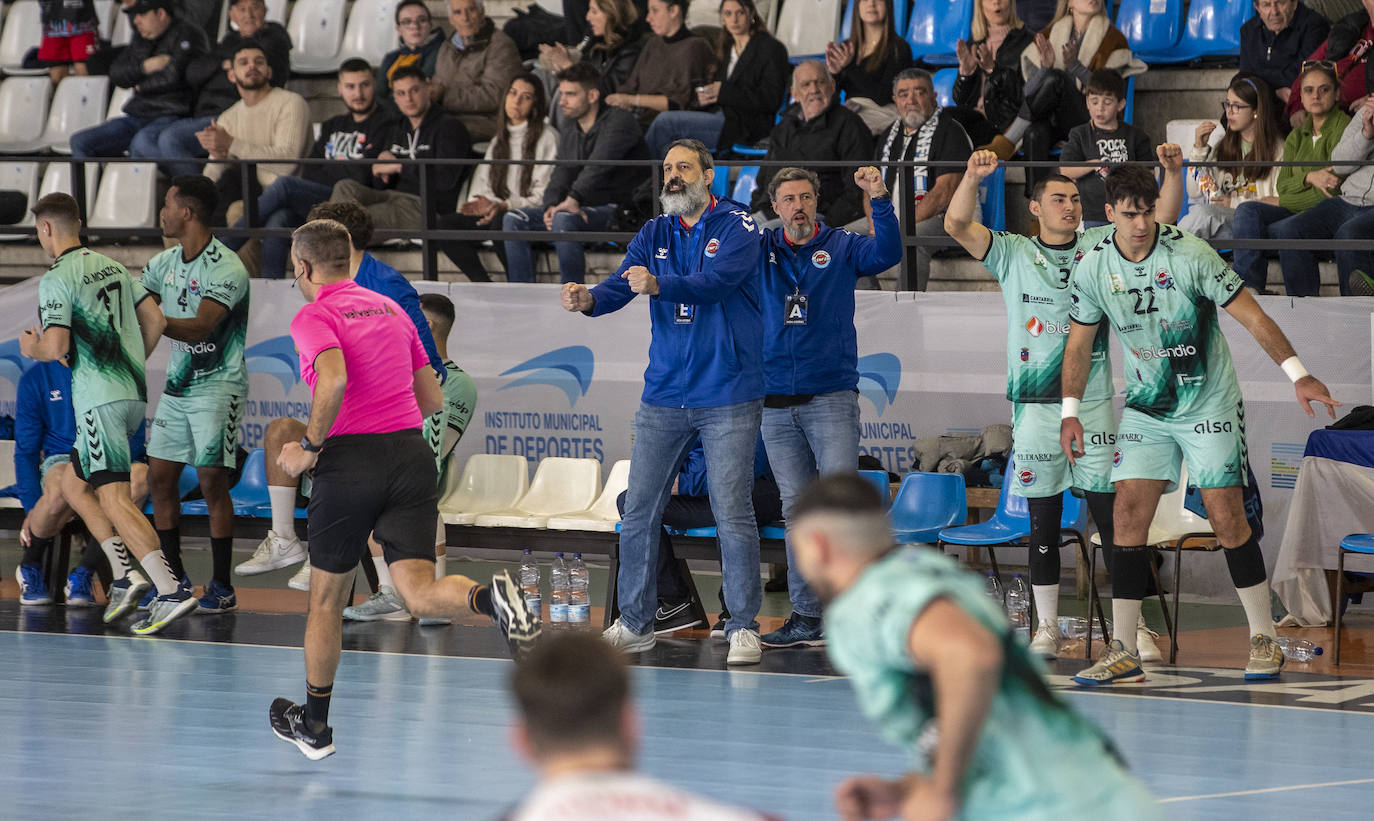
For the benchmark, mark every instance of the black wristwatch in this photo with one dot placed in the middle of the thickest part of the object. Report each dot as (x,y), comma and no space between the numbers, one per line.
(309,446)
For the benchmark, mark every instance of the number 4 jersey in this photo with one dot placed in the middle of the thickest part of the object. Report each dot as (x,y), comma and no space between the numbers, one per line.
(94,297)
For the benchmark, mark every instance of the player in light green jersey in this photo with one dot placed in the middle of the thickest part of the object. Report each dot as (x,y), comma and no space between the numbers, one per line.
(203,290)
(1159,287)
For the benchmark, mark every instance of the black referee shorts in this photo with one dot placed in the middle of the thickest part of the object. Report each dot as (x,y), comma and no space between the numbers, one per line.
(373,483)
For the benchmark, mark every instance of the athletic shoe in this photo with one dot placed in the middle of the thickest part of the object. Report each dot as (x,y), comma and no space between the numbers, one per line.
(78,592)
(218,598)
(165,610)
(1145,642)
(512,615)
(621,637)
(301,581)
(32,590)
(288,723)
(1114,665)
(744,647)
(147,600)
(384,605)
(797,631)
(273,553)
(1266,658)
(718,629)
(124,595)
(674,616)
(1047,641)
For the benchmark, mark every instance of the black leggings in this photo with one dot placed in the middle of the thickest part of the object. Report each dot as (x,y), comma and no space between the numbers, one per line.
(1045,514)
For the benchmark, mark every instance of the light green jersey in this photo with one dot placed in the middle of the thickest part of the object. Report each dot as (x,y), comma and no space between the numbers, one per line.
(1028,728)
(1035,288)
(94,296)
(1164,312)
(445,428)
(215,363)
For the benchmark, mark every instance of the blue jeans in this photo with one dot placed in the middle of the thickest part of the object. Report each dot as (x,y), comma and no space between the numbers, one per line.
(678,125)
(178,142)
(818,438)
(572,260)
(113,137)
(662,438)
(1334,218)
(283,204)
(1252,221)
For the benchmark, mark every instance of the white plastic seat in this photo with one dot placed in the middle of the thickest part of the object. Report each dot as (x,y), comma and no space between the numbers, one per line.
(122,31)
(118,98)
(105,12)
(7,476)
(371,32)
(807,26)
(316,28)
(560,486)
(276,11)
(23,108)
(79,103)
(489,482)
(603,514)
(58,177)
(23,28)
(127,197)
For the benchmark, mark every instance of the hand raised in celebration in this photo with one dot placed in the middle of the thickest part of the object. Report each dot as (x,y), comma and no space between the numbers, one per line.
(641,281)
(982,164)
(870,181)
(577,298)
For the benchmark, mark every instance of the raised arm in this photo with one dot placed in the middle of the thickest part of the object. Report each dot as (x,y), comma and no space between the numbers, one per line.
(961,218)
(1171,194)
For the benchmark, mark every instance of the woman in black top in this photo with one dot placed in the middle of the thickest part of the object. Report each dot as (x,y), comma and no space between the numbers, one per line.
(990,80)
(865,65)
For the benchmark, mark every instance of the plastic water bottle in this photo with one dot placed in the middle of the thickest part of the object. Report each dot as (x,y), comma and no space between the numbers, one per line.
(558,597)
(993,588)
(579,593)
(1018,606)
(529,583)
(1299,649)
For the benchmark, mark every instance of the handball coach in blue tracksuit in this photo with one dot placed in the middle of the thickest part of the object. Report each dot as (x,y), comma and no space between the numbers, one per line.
(699,266)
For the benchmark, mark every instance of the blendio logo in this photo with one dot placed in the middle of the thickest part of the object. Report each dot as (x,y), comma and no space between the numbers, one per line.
(1165,353)
(198,348)
(1212,427)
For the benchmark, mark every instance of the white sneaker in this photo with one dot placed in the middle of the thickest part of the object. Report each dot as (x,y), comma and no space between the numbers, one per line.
(1145,642)
(745,648)
(620,636)
(273,553)
(301,581)
(384,605)
(1047,640)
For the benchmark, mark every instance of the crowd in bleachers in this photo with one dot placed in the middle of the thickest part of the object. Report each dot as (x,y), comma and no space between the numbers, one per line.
(1031,79)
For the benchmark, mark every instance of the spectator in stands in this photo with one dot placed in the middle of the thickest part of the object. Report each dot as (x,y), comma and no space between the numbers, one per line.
(69,36)
(211,75)
(864,66)
(990,81)
(1346,48)
(473,69)
(580,197)
(1275,41)
(1251,133)
(1103,137)
(1299,187)
(420,44)
(673,63)
(818,127)
(499,186)
(154,66)
(741,104)
(612,46)
(423,131)
(265,124)
(579,23)
(350,136)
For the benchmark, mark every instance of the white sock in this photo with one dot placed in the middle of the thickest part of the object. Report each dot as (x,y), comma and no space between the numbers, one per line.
(441,566)
(283,501)
(1255,600)
(383,572)
(1046,603)
(120,560)
(1016,130)
(1125,616)
(159,572)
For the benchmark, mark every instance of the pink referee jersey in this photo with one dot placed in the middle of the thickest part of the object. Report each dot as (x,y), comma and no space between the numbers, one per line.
(381,352)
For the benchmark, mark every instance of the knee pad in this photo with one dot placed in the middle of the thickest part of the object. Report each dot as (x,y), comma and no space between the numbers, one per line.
(1246,564)
(1045,514)
(1130,572)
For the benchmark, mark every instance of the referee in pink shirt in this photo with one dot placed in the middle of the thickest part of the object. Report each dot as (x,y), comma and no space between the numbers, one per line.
(374,473)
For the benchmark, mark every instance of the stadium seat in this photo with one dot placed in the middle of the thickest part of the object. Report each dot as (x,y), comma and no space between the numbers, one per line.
(1363,544)
(127,197)
(993,196)
(22,29)
(880,481)
(936,26)
(774,532)
(899,17)
(20,175)
(371,32)
(1128,114)
(23,108)
(249,495)
(720,183)
(561,485)
(489,482)
(316,28)
(79,103)
(122,32)
(603,514)
(105,11)
(745,184)
(1211,29)
(276,12)
(944,86)
(7,473)
(58,177)
(1150,25)
(806,27)
(927,503)
(118,97)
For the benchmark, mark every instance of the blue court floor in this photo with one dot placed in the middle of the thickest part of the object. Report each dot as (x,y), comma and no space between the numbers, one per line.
(163,728)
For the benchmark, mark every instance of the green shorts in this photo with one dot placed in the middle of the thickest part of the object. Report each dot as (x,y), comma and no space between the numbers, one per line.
(102,441)
(50,463)
(1213,445)
(202,431)
(1041,469)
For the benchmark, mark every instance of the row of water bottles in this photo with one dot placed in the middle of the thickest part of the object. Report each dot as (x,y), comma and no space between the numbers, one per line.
(1015,600)
(570,602)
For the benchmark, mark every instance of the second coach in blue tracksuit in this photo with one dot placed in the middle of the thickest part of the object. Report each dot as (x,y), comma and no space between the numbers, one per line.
(811,407)
(699,265)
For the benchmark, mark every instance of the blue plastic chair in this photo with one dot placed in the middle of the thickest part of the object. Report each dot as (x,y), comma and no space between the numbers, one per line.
(1211,29)
(720,185)
(994,197)
(944,86)
(1128,115)
(745,184)
(248,495)
(185,483)
(935,28)
(899,17)
(926,504)
(1148,30)
(1363,544)
(880,481)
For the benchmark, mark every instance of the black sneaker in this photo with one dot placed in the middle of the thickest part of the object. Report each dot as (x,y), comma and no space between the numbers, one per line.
(288,723)
(718,629)
(673,616)
(512,615)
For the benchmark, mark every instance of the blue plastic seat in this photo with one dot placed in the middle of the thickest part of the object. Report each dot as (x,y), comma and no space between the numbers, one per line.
(899,17)
(185,483)
(1211,29)
(745,184)
(720,184)
(926,504)
(1362,543)
(944,86)
(1128,116)
(880,481)
(1148,29)
(248,495)
(936,26)
(994,197)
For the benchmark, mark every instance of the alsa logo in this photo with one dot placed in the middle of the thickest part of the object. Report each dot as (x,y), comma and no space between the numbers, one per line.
(820,259)
(1211,426)
(712,246)
(198,348)
(1035,327)
(1026,477)
(1100,438)
(1164,353)
(880,374)
(568,369)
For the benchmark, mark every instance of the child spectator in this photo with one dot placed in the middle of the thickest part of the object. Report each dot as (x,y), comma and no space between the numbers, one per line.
(69,35)
(1103,137)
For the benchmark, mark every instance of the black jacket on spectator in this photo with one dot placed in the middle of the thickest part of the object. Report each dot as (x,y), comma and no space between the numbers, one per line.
(575,15)
(343,138)
(856,81)
(614,64)
(439,136)
(1003,89)
(165,93)
(615,135)
(835,134)
(206,74)
(753,93)
(424,57)
(1276,58)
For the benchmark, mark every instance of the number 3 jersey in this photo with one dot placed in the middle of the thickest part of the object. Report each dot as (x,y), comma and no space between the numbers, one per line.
(1035,287)
(94,297)
(215,362)
(1164,312)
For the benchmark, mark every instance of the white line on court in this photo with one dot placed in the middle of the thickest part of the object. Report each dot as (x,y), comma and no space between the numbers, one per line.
(1266,790)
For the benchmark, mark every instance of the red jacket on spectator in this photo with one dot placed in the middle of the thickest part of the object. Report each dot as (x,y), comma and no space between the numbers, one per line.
(1351,66)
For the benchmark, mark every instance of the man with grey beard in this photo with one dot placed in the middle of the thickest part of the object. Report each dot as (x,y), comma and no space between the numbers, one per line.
(699,266)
